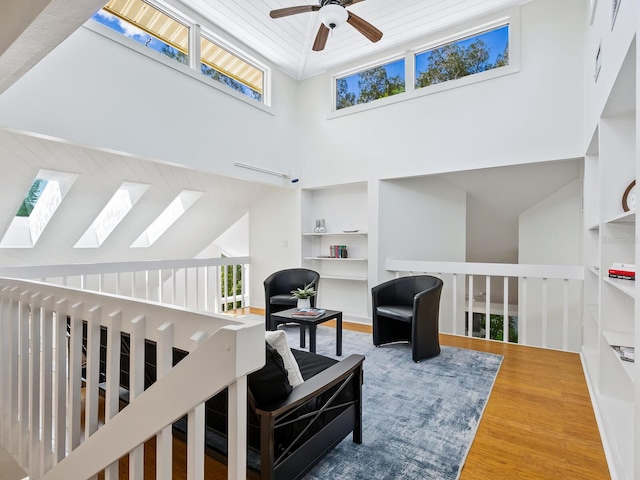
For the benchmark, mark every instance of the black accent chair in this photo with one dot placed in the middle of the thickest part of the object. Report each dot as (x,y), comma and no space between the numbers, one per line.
(277,290)
(408,309)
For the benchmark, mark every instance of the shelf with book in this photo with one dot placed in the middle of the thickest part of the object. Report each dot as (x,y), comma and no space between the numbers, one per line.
(620,339)
(341,253)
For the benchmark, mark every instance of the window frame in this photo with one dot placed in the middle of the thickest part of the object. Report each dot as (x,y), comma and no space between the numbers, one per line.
(510,17)
(382,63)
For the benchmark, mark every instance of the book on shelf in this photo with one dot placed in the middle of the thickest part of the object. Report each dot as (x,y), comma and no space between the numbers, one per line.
(628,354)
(308,313)
(626,271)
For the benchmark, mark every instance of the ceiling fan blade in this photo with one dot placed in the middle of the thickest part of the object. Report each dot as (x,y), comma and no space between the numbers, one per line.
(285,12)
(321,38)
(364,27)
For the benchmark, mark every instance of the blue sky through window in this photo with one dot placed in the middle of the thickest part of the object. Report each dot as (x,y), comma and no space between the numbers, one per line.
(131,31)
(392,69)
(496,41)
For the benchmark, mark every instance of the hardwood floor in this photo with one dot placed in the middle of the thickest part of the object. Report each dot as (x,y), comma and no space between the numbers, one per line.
(538,423)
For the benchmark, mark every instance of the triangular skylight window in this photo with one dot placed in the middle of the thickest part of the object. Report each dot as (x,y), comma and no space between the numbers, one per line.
(170,214)
(36,210)
(112,214)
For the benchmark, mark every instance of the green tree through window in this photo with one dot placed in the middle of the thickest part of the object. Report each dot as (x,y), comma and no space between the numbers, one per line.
(32,198)
(465,57)
(364,87)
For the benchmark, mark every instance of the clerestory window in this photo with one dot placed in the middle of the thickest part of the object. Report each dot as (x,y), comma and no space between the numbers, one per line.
(370,84)
(474,51)
(463,57)
(148,25)
(156,29)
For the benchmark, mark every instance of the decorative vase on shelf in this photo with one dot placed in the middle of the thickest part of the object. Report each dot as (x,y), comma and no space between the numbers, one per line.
(319,226)
(303,303)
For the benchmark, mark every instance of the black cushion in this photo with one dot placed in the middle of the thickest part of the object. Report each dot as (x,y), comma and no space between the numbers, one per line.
(397,312)
(283,299)
(271,382)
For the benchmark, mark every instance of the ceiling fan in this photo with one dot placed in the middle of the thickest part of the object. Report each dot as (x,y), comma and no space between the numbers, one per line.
(333,13)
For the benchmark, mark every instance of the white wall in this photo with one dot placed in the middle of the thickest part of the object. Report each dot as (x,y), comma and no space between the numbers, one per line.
(274,237)
(421,218)
(424,218)
(614,44)
(94,91)
(532,115)
(550,233)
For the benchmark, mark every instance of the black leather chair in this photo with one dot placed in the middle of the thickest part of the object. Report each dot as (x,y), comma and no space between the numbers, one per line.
(277,290)
(408,309)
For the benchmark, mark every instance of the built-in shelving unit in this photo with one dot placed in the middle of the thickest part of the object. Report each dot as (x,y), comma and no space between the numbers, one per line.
(610,314)
(344,281)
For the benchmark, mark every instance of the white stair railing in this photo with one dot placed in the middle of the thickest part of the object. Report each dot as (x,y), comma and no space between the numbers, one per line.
(544,300)
(51,380)
(208,284)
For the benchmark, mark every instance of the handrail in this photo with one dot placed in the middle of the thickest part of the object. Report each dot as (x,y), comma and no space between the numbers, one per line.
(201,284)
(40,403)
(570,272)
(75,269)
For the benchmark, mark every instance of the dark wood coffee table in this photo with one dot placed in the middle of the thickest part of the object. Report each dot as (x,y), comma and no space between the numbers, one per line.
(286,316)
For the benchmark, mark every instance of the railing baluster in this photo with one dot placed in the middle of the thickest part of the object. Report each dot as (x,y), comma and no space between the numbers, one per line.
(565,316)
(147,285)
(112,389)
(60,387)
(195,430)
(243,294)
(14,377)
(75,374)
(173,286)
(160,295)
(207,294)
(545,307)
(470,314)
(522,322)
(24,384)
(92,371)
(136,387)
(505,310)
(164,439)
(34,384)
(487,307)
(46,399)
(197,288)
(184,286)
(218,288)
(454,284)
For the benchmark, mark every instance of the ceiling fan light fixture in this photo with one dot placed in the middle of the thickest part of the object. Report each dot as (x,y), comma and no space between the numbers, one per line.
(333,15)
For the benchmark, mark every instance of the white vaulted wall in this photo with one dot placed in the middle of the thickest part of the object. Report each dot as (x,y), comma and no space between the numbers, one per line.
(93,91)
(532,115)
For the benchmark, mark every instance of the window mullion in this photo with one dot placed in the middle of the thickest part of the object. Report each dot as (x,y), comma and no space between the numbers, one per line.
(194,47)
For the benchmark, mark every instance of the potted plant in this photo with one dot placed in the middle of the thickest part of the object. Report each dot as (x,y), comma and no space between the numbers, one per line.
(304,295)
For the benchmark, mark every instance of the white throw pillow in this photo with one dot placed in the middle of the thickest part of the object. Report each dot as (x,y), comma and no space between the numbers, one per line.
(278,340)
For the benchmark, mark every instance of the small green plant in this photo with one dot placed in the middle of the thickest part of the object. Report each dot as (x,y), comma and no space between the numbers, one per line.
(304,292)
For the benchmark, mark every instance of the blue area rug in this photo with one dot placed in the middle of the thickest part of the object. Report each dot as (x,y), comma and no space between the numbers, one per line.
(419,419)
